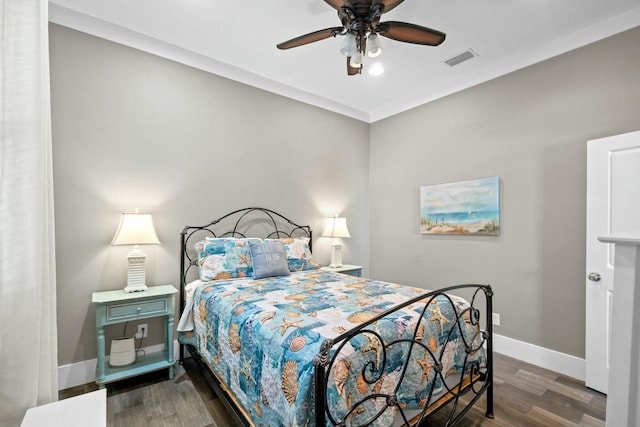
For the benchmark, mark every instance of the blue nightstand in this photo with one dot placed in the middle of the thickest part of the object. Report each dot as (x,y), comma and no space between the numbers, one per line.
(113,307)
(352,270)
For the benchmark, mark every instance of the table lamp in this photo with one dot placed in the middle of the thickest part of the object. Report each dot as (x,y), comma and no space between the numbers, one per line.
(337,229)
(135,229)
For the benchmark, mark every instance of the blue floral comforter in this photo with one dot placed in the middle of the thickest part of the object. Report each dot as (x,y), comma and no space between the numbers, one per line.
(260,337)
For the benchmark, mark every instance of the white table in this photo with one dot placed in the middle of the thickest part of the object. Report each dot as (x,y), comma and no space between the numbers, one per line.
(85,410)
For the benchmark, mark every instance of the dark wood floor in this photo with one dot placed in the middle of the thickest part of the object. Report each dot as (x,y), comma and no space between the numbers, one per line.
(529,396)
(154,400)
(525,396)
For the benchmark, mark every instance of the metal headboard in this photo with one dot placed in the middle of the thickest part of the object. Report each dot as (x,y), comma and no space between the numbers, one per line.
(247,222)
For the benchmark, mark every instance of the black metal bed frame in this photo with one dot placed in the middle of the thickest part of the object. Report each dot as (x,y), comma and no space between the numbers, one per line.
(475,381)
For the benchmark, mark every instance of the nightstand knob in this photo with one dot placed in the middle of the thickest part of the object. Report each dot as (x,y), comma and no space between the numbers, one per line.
(139,309)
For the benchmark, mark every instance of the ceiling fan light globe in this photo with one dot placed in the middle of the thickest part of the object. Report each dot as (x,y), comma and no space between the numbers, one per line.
(373,46)
(349,47)
(373,54)
(356,60)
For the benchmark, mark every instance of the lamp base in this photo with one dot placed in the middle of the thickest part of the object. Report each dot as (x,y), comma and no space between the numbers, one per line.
(135,274)
(137,288)
(336,254)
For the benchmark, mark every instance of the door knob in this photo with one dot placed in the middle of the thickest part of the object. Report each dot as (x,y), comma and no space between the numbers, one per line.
(594,277)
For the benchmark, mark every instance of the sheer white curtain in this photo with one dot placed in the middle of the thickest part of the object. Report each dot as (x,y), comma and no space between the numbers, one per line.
(28,333)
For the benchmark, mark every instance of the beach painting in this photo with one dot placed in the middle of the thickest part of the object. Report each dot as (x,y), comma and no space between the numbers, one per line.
(461,208)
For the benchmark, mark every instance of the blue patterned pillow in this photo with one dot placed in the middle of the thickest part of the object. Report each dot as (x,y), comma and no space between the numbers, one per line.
(298,253)
(269,259)
(225,258)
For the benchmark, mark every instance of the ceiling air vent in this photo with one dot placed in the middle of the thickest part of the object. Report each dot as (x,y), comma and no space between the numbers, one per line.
(464,56)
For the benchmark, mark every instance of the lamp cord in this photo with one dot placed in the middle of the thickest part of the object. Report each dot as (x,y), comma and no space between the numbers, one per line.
(140,345)
(124,334)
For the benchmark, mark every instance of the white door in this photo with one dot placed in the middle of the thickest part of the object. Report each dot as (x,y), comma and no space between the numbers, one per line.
(613,207)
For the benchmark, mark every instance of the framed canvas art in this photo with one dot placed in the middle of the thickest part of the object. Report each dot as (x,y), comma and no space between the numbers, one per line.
(461,208)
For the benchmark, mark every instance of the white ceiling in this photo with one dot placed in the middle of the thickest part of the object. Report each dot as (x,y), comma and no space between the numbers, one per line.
(237,39)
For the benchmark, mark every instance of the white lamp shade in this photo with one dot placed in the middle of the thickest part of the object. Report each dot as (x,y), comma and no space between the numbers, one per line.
(374,48)
(136,229)
(336,227)
(356,60)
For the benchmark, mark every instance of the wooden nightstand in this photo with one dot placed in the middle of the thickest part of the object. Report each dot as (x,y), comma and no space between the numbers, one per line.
(115,307)
(352,270)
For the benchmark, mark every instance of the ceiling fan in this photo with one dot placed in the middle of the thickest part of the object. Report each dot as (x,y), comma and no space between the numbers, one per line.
(361,26)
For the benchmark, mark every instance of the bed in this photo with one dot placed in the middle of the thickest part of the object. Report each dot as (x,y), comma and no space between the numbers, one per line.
(283,342)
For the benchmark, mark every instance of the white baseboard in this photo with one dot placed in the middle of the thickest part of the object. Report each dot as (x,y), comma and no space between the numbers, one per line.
(75,374)
(549,359)
(84,372)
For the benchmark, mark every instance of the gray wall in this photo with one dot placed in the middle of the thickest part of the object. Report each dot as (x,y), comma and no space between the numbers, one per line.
(134,130)
(530,128)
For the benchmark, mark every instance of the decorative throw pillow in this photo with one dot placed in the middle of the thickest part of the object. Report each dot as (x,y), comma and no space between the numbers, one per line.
(269,259)
(225,258)
(298,253)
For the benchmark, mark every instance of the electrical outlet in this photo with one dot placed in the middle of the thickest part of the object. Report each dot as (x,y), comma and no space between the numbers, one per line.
(496,319)
(143,331)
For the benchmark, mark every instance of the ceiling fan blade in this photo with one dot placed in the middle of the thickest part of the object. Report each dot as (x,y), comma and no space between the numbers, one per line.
(352,71)
(310,38)
(388,4)
(410,33)
(336,4)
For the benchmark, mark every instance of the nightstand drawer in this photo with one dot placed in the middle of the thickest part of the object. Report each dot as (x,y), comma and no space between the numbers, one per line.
(135,309)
